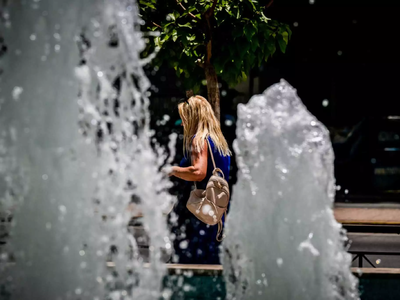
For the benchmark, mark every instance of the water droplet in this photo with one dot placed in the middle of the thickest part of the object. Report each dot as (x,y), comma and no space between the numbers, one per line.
(167,293)
(346,191)
(100,74)
(48,226)
(32,37)
(16,92)
(313,123)
(312,1)
(57,48)
(83,265)
(378,261)
(57,36)
(224,93)
(279,262)
(82,252)
(325,102)
(167,246)
(183,244)
(228,122)
(45,177)
(78,291)
(296,24)
(99,279)
(373,160)
(339,53)
(205,209)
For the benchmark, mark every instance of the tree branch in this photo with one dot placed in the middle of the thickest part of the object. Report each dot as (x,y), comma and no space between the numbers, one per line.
(208,15)
(184,8)
(155,24)
(199,63)
(269,4)
(210,11)
(214,5)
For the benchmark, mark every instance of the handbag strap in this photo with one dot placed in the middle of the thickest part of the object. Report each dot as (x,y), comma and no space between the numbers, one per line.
(212,158)
(211,152)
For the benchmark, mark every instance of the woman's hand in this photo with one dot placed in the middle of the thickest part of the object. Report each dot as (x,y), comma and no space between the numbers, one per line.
(172,171)
(168,170)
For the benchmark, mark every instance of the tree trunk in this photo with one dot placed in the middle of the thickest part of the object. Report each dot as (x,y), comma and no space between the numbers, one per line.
(212,88)
(189,93)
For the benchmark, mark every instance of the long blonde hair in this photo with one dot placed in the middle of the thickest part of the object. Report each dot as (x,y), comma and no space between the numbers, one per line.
(199,121)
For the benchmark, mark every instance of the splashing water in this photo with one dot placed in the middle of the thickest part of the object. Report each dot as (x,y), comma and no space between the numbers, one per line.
(282,239)
(72,187)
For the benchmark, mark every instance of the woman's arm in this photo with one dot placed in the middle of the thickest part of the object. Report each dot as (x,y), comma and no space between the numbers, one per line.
(198,170)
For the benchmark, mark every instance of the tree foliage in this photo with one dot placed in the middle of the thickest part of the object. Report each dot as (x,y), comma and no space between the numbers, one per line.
(242,37)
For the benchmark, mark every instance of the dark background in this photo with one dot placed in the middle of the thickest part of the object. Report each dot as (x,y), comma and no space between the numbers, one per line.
(343,51)
(358,81)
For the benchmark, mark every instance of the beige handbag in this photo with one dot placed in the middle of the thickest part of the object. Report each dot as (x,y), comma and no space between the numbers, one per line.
(210,205)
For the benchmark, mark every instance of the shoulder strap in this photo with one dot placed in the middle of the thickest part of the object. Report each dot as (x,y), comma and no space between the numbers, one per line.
(211,152)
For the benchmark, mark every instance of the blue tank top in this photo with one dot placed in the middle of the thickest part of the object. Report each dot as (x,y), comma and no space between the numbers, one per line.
(222,162)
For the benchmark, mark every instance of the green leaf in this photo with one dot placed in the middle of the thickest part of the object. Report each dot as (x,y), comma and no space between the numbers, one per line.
(282,45)
(171,17)
(264,18)
(289,31)
(176,14)
(285,37)
(249,31)
(187,25)
(252,4)
(174,35)
(254,44)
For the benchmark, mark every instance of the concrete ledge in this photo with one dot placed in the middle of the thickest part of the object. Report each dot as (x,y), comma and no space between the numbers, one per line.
(204,270)
(368,216)
(212,270)
(376,272)
(207,269)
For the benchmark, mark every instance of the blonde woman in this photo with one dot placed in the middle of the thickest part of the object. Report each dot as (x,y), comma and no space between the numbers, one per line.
(195,242)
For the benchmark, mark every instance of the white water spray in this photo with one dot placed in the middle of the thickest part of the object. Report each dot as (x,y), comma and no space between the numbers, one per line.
(282,239)
(71,167)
